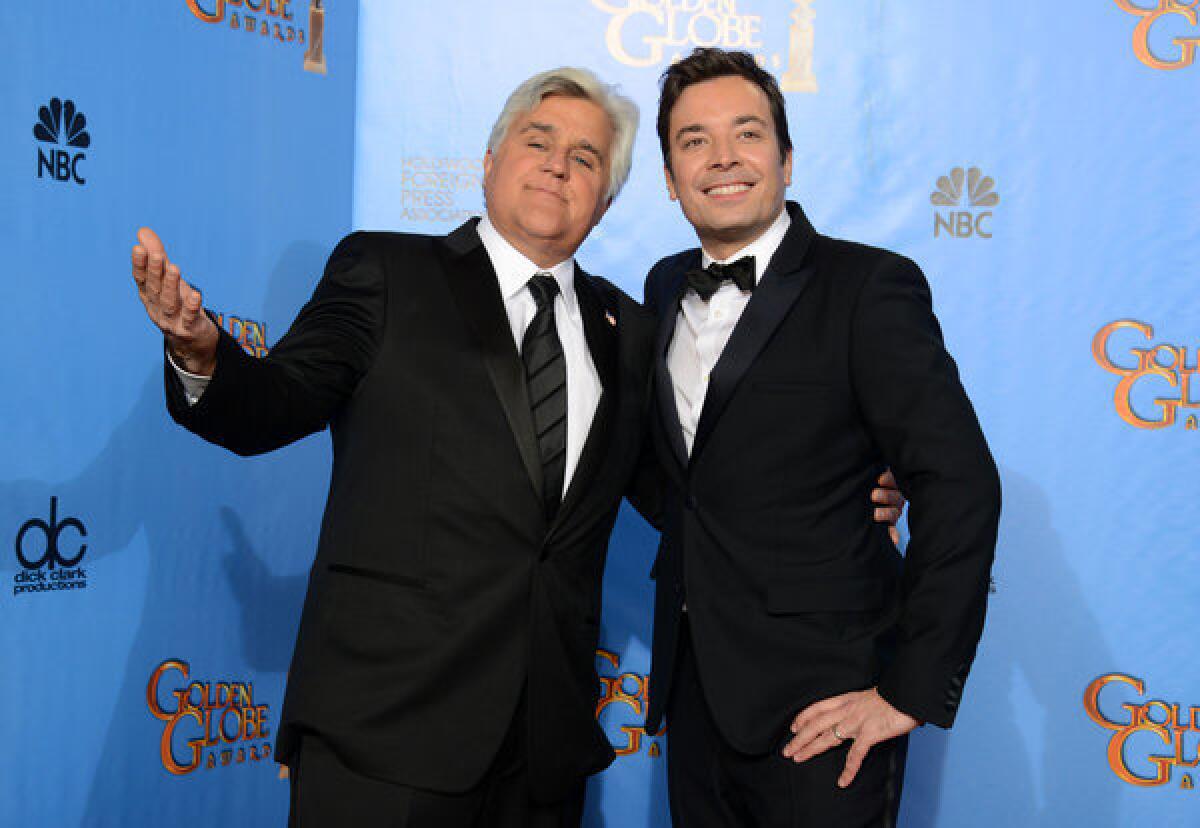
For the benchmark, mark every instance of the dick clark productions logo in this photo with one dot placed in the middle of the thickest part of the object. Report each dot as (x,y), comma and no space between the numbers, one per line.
(64,128)
(50,552)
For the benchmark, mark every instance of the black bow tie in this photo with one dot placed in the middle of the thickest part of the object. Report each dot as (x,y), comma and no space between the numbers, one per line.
(706,280)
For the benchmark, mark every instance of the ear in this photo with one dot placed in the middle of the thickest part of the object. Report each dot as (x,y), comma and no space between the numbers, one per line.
(487,163)
(787,168)
(601,209)
(674,196)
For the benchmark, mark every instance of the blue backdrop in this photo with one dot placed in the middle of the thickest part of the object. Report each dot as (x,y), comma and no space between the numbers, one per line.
(1039,163)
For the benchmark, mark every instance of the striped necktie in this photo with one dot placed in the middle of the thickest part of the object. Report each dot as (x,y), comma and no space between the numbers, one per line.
(546,378)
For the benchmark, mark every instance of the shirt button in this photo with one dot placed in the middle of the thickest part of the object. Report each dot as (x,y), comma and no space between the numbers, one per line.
(718,314)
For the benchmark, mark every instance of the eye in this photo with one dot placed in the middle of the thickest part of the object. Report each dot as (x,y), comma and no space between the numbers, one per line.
(693,141)
(585,161)
(535,144)
(752,134)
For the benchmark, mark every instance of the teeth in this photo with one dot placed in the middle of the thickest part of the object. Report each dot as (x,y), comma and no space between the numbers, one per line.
(729,189)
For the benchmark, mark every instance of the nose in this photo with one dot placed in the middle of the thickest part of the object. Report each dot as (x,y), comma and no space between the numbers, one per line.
(723,154)
(556,163)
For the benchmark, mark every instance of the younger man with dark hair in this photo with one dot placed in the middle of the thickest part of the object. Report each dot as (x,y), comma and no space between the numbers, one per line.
(794,648)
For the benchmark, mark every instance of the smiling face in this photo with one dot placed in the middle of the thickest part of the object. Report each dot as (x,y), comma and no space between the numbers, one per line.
(725,167)
(545,184)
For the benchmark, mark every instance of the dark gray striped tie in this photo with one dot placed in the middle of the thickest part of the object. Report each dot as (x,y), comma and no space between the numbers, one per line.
(546,377)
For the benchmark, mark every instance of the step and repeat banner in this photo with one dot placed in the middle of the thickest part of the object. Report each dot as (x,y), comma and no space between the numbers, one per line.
(1039,163)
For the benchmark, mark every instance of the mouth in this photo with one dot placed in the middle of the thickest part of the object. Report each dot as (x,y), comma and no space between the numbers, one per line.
(548,192)
(730,189)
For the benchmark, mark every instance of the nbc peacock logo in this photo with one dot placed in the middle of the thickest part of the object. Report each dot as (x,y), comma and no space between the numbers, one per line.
(979,194)
(61,125)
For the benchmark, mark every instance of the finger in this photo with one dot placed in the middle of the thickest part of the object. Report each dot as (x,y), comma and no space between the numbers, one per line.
(150,240)
(137,259)
(894,534)
(192,303)
(888,497)
(886,514)
(818,709)
(154,276)
(887,479)
(169,297)
(854,760)
(824,741)
(815,730)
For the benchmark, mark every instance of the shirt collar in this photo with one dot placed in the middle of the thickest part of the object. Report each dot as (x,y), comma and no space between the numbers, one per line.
(762,248)
(513,270)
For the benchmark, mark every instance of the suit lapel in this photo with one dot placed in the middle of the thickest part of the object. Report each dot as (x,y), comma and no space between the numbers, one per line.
(476,291)
(664,390)
(601,338)
(781,285)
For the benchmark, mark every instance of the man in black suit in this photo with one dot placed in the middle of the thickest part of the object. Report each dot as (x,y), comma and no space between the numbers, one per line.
(794,648)
(486,400)
(487,404)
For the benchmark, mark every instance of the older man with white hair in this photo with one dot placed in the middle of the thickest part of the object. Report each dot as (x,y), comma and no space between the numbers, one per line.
(485,400)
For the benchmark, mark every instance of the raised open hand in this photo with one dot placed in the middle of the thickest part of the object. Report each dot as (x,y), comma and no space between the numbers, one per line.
(174,306)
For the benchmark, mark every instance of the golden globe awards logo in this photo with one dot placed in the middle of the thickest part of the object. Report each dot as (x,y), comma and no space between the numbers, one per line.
(644,33)
(207,724)
(1158,372)
(1151,740)
(978,194)
(249,333)
(1156,16)
(271,20)
(631,692)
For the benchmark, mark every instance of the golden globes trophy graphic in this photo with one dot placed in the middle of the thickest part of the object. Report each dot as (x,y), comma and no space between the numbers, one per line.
(799,76)
(314,58)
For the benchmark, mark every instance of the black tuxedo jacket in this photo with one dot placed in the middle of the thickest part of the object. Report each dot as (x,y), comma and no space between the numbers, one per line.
(439,590)
(835,370)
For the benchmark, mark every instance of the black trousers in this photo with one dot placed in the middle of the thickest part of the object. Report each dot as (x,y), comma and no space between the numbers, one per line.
(711,785)
(327,794)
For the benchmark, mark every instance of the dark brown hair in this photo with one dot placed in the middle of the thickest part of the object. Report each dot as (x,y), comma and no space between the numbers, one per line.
(705,64)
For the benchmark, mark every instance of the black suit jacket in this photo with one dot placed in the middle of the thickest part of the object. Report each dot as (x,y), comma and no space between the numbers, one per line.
(439,590)
(835,370)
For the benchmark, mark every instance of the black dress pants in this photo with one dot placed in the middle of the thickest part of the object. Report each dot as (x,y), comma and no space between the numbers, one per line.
(327,794)
(712,785)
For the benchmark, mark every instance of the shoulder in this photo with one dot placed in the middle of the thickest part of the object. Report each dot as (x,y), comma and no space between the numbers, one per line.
(861,258)
(378,241)
(662,272)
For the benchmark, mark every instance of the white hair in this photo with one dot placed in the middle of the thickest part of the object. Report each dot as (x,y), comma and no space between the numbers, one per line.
(572,82)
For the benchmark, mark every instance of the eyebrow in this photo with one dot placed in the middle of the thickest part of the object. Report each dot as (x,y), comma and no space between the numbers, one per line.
(550,129)
(740,120)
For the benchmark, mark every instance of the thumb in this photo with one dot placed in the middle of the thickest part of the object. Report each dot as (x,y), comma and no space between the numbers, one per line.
(148,239)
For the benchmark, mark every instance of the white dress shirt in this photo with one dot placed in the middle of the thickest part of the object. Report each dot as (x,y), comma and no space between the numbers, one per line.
(513,272)
(702,328)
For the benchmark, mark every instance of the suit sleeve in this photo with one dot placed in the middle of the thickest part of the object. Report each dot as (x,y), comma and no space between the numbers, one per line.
(254,405)
(645,488)
(919,415)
